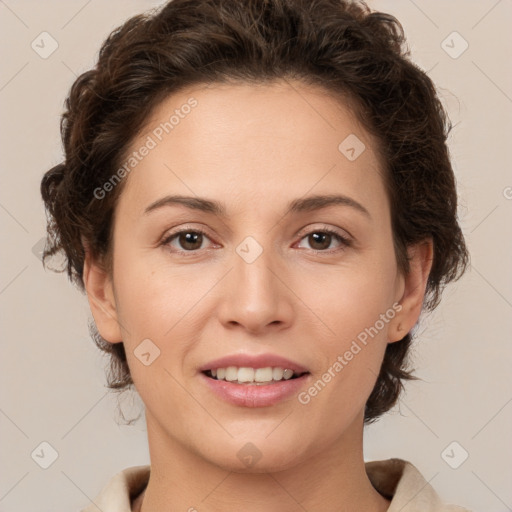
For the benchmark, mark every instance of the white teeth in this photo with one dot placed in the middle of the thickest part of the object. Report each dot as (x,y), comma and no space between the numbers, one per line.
(252,375)
(231,373)
(263,375)
(287,374)
(244,374)
(277,373)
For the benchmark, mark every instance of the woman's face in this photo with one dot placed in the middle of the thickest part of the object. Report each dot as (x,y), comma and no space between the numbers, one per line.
(263,280)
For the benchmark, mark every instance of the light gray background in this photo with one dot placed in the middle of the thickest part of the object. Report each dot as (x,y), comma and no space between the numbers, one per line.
(52,380)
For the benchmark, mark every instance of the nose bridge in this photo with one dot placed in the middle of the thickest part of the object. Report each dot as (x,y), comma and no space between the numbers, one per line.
(254,267)
(257,296)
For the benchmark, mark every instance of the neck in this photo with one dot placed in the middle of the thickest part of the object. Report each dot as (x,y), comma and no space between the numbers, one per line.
(181,479)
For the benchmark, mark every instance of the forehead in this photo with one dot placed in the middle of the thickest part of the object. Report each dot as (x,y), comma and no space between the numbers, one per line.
(234,141)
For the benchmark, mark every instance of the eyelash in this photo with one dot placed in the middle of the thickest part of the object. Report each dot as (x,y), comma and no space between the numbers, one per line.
(345,242)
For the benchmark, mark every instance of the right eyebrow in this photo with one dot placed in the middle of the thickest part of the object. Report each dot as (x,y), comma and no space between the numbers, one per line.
(194,203)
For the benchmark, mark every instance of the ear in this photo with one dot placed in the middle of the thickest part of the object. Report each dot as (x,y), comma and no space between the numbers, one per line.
(414,286)
(100,293)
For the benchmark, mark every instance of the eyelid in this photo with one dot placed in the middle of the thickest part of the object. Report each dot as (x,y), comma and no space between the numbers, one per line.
(343,233)
(346,241)
(345,238)
(168,235)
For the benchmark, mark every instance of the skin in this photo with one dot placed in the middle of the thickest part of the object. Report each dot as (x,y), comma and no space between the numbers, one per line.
(255,148)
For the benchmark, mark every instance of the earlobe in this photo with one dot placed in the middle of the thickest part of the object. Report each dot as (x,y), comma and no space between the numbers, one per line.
(414,288)
(100,295)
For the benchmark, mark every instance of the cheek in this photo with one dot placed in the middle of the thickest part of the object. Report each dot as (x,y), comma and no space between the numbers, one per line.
(356,304)
(360,340)
(163,303)
(350,299)
(152,307)
(150,297)
(351,358)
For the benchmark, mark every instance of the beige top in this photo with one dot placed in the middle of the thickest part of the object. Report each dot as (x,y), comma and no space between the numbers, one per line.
(396,479)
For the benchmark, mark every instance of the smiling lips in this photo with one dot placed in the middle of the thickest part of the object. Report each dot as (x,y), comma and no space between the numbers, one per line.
(254,381)
(242,360)
(256,376)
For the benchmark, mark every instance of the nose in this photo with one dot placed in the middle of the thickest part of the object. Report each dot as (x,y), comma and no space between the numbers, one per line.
(256,295)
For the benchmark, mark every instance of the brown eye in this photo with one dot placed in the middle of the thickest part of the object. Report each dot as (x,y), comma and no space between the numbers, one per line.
(186,240)
(190,240)
(320,240)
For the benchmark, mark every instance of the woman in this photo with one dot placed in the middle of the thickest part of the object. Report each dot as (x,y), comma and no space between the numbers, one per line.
(257,198)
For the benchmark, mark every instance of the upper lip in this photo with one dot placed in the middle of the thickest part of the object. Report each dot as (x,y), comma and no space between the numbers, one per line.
(253,361)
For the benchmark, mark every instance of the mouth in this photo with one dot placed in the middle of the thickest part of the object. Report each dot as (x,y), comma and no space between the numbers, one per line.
(253,376)
(254,380)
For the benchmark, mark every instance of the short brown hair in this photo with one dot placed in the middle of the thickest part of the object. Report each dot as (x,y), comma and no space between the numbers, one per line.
(338,44)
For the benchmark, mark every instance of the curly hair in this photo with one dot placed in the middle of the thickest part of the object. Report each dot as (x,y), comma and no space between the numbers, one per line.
(340,45)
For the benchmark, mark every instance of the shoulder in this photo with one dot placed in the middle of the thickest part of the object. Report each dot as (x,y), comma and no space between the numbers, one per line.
(402,483)
(396,479)
(117,494)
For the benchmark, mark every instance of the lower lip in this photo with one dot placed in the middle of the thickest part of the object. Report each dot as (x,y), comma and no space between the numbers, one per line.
(247,395)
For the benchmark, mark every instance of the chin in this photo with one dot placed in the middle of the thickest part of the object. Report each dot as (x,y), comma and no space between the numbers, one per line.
(270,464)
(260,455)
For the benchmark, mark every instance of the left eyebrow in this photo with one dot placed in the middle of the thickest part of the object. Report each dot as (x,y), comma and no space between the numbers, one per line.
(307,204)
(312,203)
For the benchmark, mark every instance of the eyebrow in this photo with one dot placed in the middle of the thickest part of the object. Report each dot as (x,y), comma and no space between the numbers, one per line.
(307,204)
